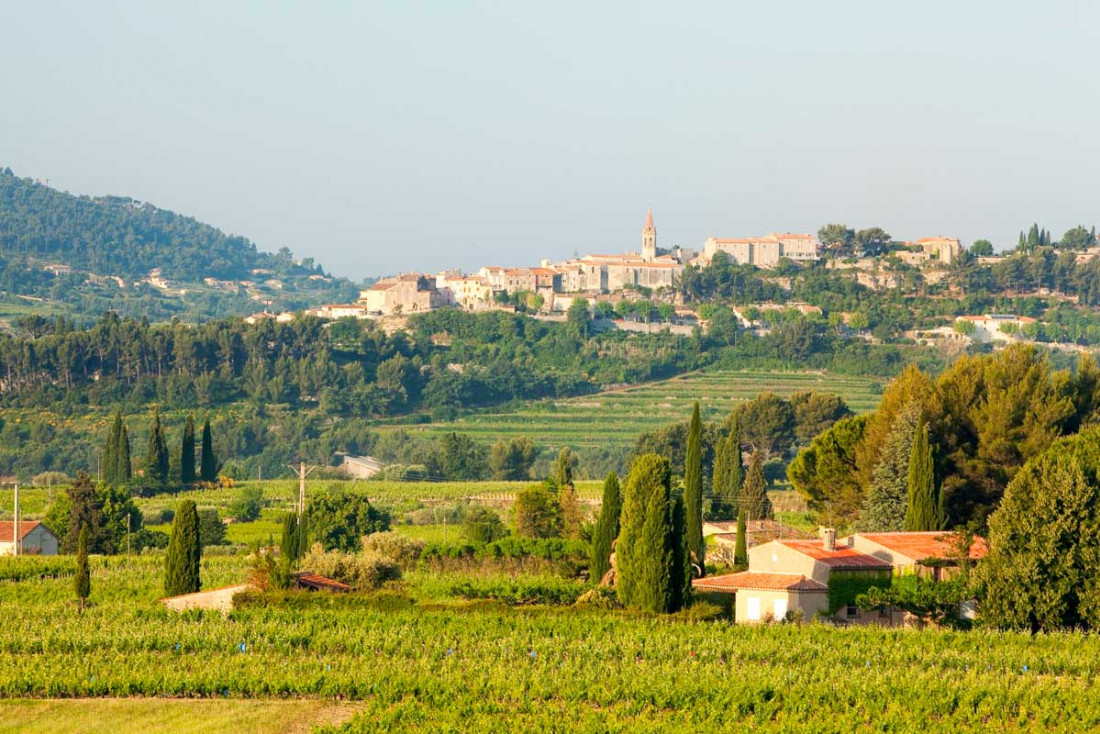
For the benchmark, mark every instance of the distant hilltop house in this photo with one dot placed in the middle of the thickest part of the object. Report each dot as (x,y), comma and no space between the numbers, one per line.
(793,576)
(35,539)
(404,294)
(763,252)
(996,327)
(945,249)
(360,467)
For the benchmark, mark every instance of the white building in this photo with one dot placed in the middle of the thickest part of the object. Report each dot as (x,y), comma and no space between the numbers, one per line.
(991,327)
(35,539)
(763,252)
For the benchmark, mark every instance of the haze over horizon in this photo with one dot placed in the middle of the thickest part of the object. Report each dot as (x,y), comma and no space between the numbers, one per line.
(419,136)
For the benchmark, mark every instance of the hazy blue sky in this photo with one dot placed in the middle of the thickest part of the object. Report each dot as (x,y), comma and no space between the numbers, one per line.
(411,135)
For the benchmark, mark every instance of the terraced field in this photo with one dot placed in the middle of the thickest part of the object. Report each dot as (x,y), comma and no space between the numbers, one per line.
(616,417)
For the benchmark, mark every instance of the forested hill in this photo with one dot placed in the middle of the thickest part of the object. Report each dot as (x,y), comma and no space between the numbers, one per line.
(116,235)
(81,256)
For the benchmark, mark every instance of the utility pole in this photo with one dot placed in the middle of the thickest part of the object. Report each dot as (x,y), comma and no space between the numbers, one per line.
(302,471)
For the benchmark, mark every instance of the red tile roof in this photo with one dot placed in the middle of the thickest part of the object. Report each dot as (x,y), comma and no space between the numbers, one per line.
(918,546)
(757,580)
(7,529)
(841,557)
(315,581)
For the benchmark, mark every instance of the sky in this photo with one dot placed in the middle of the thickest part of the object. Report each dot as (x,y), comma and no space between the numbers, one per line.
(386,137)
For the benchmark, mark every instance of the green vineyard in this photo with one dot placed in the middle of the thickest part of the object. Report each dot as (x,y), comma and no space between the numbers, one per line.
(616,417)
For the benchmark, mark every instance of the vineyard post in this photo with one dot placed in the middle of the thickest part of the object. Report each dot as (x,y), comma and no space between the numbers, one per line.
(15,525)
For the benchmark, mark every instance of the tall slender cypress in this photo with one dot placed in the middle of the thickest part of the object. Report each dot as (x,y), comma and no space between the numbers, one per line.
(754,498)
(303,534)
(741,550)
(184,552)
(82,581)
(644,557)
(156,453)
(693,491)
(923,511)
(736,477)
(607,528)
(208,464)
(289,542)
(680,568)
(187,452)
(108,462)
(123,471)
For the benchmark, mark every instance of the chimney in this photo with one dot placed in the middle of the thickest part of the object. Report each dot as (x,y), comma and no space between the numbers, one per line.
(828,539)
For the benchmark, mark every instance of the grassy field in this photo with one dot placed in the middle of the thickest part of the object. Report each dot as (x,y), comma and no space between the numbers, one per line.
(615,418)
(412,659)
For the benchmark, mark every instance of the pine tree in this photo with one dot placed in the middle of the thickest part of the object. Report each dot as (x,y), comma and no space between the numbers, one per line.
(187,453)
(643,554)
(923,512)
(184,552)
(208,464)
(693,491)
(887,500)
(741,550)
(82,581)
(156,454)
(680,569)
(754,497)
(607,528)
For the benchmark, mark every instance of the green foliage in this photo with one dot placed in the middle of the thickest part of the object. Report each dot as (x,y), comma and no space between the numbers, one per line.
(845,587)
(932,601)
(462,458)
(248,504)
(693,493)
(82,581)
(361,570)
(741,550)
(512,460)
(887,499)
(924,511)
(571,517)
(156,455)
(211,528)
(338,519)
(289,539)
(482,525)
(116,453)
(981,248)
(826,472)
(644,555)
(1041,572)
(563,468)
(86,512)
(754,497)
(187,452)
(537,513)
(767,423)
(184,552)
(208,464)
(607,528)
(681,568)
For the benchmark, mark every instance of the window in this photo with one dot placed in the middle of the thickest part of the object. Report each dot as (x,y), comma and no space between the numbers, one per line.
(779,609)
(753,603)
(884,611)
(853,611)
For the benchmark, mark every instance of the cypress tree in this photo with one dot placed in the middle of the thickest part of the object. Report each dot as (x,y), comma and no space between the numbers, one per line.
(754,497)
(82,581)
(693,491)
(289,542)
(719,476)
(208,464)
(184,552)
(643,554)
(680,570)
(923,512)
(156,454)
(109,460)
(122,457)
(734,476)
(571,518)
(563,473)
(187,453)
(607,528)
(303,534)
(741,550)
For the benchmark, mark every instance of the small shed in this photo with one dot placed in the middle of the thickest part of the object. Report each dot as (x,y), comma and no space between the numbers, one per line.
(35,539)
(314,582)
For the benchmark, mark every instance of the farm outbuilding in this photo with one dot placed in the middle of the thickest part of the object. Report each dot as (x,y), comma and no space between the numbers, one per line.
(35,539)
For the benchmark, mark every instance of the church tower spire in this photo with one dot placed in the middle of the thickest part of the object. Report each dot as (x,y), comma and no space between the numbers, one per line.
(649,239)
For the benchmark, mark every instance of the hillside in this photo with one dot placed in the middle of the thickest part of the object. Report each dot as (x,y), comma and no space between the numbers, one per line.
(61,253)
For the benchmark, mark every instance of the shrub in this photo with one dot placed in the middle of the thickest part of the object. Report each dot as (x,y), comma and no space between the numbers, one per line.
(358,570)
(211,528)
(483,525)
(400,549)
(247,506)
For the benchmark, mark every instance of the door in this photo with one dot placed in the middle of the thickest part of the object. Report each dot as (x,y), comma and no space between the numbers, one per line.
(780,610)
(753,603)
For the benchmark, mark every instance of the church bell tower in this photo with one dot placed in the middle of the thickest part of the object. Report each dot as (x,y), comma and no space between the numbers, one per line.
(649,239)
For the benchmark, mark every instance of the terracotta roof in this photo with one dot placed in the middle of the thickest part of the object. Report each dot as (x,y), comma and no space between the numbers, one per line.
(918,546)
(314,581)
(841,557)
(7,529)
(757,580)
